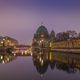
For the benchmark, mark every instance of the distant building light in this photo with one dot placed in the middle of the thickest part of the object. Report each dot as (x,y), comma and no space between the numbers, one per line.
(1,42)
(42,35)
(26,52)
(1,57)
(42,40)
(3,61)
(7,59)
(14,54)
(42,63)
(3,39)
(22,52)
(40,59)
(8,41)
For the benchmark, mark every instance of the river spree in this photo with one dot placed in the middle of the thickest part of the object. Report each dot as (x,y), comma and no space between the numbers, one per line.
(40,66)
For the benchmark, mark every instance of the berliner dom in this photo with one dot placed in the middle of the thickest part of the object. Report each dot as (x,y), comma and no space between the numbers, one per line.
(41,37)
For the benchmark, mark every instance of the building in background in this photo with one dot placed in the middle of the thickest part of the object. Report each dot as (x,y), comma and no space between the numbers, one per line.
(52,39)
(7,41)
(41,37)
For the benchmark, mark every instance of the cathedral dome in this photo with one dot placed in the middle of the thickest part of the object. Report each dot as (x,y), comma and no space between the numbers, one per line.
(42,29)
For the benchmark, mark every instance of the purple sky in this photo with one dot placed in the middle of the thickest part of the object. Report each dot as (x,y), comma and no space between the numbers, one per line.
(21,18)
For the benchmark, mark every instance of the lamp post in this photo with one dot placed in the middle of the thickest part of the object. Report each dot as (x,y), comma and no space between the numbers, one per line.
(41,43)
(3,42)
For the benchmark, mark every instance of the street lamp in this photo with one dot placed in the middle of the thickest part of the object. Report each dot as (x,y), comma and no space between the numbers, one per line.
(41,42)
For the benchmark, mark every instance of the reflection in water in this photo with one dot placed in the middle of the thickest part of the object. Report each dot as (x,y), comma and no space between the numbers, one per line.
(70,63)
(6,58)
(41,61)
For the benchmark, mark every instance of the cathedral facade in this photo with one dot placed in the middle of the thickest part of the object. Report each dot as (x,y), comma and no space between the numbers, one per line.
(42,38)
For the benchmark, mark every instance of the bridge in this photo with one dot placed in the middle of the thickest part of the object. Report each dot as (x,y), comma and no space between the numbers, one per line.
(17,50)
(22,50)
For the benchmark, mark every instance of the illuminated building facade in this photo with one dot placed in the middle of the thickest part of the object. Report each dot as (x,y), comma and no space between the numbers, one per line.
(66,62)
(41,37)
(52,39)
(7,41)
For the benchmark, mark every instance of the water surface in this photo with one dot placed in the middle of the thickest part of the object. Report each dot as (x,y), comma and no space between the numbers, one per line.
(40,66)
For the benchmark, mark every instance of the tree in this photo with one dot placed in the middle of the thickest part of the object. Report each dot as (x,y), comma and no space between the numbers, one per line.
(72,34)
(62,36)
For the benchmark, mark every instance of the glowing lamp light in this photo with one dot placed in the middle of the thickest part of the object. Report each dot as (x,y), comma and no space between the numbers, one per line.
(42,62)
(1,42)
(7,59)
(14,54)
(3,39)
(31,53)
(22,52)
(1,57)
(42,40)
(42,35)
(40,59)
(3,61)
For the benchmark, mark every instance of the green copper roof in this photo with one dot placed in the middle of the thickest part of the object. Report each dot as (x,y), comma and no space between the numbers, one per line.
(42,29)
